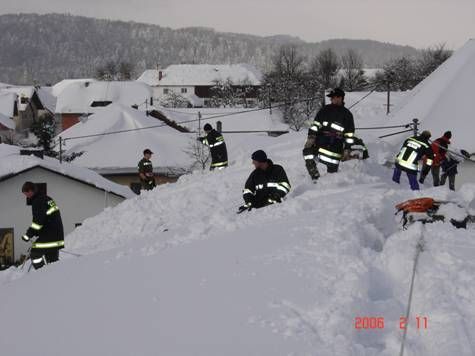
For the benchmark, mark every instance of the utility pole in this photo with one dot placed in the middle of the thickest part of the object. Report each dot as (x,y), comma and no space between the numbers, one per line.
(268,95)
(389,78)
(60,149)
(415,126)
(389,98)
(199,123)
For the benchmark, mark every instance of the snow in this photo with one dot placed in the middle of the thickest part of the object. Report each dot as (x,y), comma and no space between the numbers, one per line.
(202,75)
(175,271)
(6,122)
(149,77)
(125,150)
(47,98)
(237,119)
(20,91)
(13,163)
(77,97)
(58,88)
(442,101)
(7,104)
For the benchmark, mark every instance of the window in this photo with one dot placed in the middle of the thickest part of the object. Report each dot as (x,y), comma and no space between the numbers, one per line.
(24,100)
(6,247)
(184,90)
(166,91)
(96,104)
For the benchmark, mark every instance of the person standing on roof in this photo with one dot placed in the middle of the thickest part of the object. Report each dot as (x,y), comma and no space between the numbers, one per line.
(439,148)
(268,183)
(408,158)
(145,168)
(332,127)
(449,166)
(215,141)
(47,225)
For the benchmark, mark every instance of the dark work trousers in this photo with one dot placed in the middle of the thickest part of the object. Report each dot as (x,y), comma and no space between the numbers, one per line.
(41,257)
(411,176)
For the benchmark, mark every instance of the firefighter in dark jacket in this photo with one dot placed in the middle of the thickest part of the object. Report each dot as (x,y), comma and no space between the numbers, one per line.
(215,141)
(268,183)
(332,127)
(412,151)
(145,167)
(46,224)
(439,149)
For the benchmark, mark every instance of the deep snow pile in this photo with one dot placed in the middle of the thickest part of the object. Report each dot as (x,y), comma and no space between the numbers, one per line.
(436,100)
(176,272)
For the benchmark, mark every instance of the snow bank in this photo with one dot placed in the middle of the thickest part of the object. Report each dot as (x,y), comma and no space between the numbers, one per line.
(175,271)
(437,102)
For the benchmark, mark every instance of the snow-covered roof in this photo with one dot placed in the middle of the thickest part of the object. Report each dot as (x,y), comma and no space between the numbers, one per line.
(202,75)
(77,97)
(443,102)
(13,163)
(7,103)
(149,77)
(244,121)
(7,122)
(47,98)
(60,86)
(111,153)
(22,92)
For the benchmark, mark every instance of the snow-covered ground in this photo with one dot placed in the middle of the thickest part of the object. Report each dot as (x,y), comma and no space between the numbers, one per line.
(176,271)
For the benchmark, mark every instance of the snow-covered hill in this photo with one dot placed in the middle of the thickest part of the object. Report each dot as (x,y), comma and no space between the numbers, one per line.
(176,271)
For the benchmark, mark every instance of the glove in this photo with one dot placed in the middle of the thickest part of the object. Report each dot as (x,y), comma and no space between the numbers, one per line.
(274,198)
(365,154)
(25,238)
(243,208)
(465,153)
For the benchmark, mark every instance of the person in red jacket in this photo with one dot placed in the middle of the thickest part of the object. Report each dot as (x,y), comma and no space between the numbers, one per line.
(439,148)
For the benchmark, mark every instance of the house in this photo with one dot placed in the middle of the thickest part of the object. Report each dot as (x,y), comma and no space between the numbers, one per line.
(80,99)
(115,156)
(8,111)
(27,107)
(195,82)
(80,193)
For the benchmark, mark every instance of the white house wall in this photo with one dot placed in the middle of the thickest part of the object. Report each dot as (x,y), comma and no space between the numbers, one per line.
(159,91)
(77,201)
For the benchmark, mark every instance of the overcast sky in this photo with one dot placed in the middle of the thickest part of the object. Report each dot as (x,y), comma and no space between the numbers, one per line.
(419,23)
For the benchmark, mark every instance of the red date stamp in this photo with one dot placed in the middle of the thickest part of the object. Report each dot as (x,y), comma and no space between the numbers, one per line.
(378,322)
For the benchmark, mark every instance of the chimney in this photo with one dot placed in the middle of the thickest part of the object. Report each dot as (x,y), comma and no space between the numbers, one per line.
(160,75)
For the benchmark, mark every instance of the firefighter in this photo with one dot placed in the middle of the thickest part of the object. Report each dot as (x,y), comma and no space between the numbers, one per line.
(412,151)
(352,150)
(268,183)
(439,148)
(46,224)
(215,141)
(332,127)
(145,167)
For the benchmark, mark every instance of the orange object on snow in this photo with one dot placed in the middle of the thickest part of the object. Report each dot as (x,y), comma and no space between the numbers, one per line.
(419,205)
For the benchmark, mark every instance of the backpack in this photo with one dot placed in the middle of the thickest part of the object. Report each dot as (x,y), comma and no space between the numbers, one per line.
(420,205)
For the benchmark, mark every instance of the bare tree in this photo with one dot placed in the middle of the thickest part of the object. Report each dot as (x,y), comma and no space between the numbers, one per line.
(289,85)
(174,100)
(324,67)
(352,77)
(115,71)
(199,154)
(431,59)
